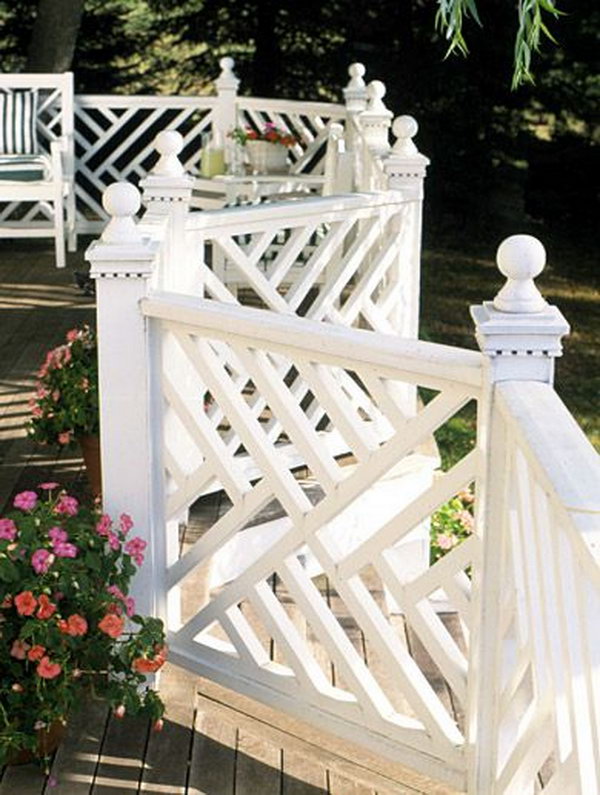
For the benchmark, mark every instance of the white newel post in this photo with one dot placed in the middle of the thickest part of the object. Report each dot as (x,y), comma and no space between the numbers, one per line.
(167,193)
(405,168)
(355,99)
(521,334)
(225,112)
(122,264)
(374,123)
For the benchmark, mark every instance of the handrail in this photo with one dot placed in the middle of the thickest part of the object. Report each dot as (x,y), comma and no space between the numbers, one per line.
(296,105)
(145,100)
(425,363)
(564,460)
(323,207)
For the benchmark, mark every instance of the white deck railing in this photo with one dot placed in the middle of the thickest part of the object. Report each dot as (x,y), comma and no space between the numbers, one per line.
(523,660)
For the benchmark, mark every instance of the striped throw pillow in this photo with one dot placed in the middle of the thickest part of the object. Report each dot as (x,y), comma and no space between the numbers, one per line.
(18,111)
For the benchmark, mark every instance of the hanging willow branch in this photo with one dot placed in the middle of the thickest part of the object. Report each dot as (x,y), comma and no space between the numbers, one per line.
(451,15)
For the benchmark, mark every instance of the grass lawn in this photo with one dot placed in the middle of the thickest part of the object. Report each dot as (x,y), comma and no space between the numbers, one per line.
(457,274)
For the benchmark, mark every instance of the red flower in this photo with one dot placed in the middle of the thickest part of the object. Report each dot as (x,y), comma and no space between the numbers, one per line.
(46,608)
(112,625)
(47,669)
(25,602)
(143,665)
(36,653)
(76,625)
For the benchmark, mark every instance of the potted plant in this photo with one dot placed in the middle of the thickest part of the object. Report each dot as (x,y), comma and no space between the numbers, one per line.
(65,408)
(266,148)
(68,624)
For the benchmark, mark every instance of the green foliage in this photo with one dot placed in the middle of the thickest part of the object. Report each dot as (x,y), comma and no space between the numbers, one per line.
(66,404)
(531,28)
(65,572)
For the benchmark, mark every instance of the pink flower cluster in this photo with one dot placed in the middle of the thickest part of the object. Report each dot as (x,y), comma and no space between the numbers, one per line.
(55,359)
(135,548)
(128,601)
(60,543)
(8,529)
(67,505)
(26,500)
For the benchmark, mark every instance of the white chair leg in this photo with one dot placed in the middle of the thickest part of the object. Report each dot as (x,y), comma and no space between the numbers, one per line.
(71,223)
(59,234)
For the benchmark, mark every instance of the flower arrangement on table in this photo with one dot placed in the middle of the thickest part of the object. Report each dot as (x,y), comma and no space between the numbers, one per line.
(269,133)
(67,622)
(65,407)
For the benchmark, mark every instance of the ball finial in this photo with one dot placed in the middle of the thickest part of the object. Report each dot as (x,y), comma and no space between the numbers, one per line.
(405,127)
(227,63)
(357,71)
(121,200)
(520,258)
(169,144)
(376,90)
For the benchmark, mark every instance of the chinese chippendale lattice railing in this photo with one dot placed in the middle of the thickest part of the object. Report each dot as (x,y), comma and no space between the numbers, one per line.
(514,644)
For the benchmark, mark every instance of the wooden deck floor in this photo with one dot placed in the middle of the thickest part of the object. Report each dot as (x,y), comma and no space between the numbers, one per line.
(214,742)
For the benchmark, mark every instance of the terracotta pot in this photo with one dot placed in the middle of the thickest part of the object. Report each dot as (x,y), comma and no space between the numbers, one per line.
(267,158)
(90,450)
(48,741)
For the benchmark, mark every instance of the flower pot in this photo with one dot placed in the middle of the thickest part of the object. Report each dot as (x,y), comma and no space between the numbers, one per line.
(48,741)
(267,158)
(90,450)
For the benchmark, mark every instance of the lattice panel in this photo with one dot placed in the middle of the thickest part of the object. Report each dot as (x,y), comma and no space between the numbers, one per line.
(548,712)
(351,270)
(351,524)
(115,141)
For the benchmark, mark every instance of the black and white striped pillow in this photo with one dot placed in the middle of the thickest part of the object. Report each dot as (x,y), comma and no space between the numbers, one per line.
(18,111)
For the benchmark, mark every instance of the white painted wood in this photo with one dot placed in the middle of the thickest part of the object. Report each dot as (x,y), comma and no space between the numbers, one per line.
(128,360)
(52,198)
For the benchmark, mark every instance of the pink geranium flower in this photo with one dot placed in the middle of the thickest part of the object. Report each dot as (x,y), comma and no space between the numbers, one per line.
(67,505)
(104,525)
(26,500)
(135,548)
(64,437)
(41,560)
(126,523)
(57,534)
(113,540)
(48,486)
(8,529)
(64,549)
